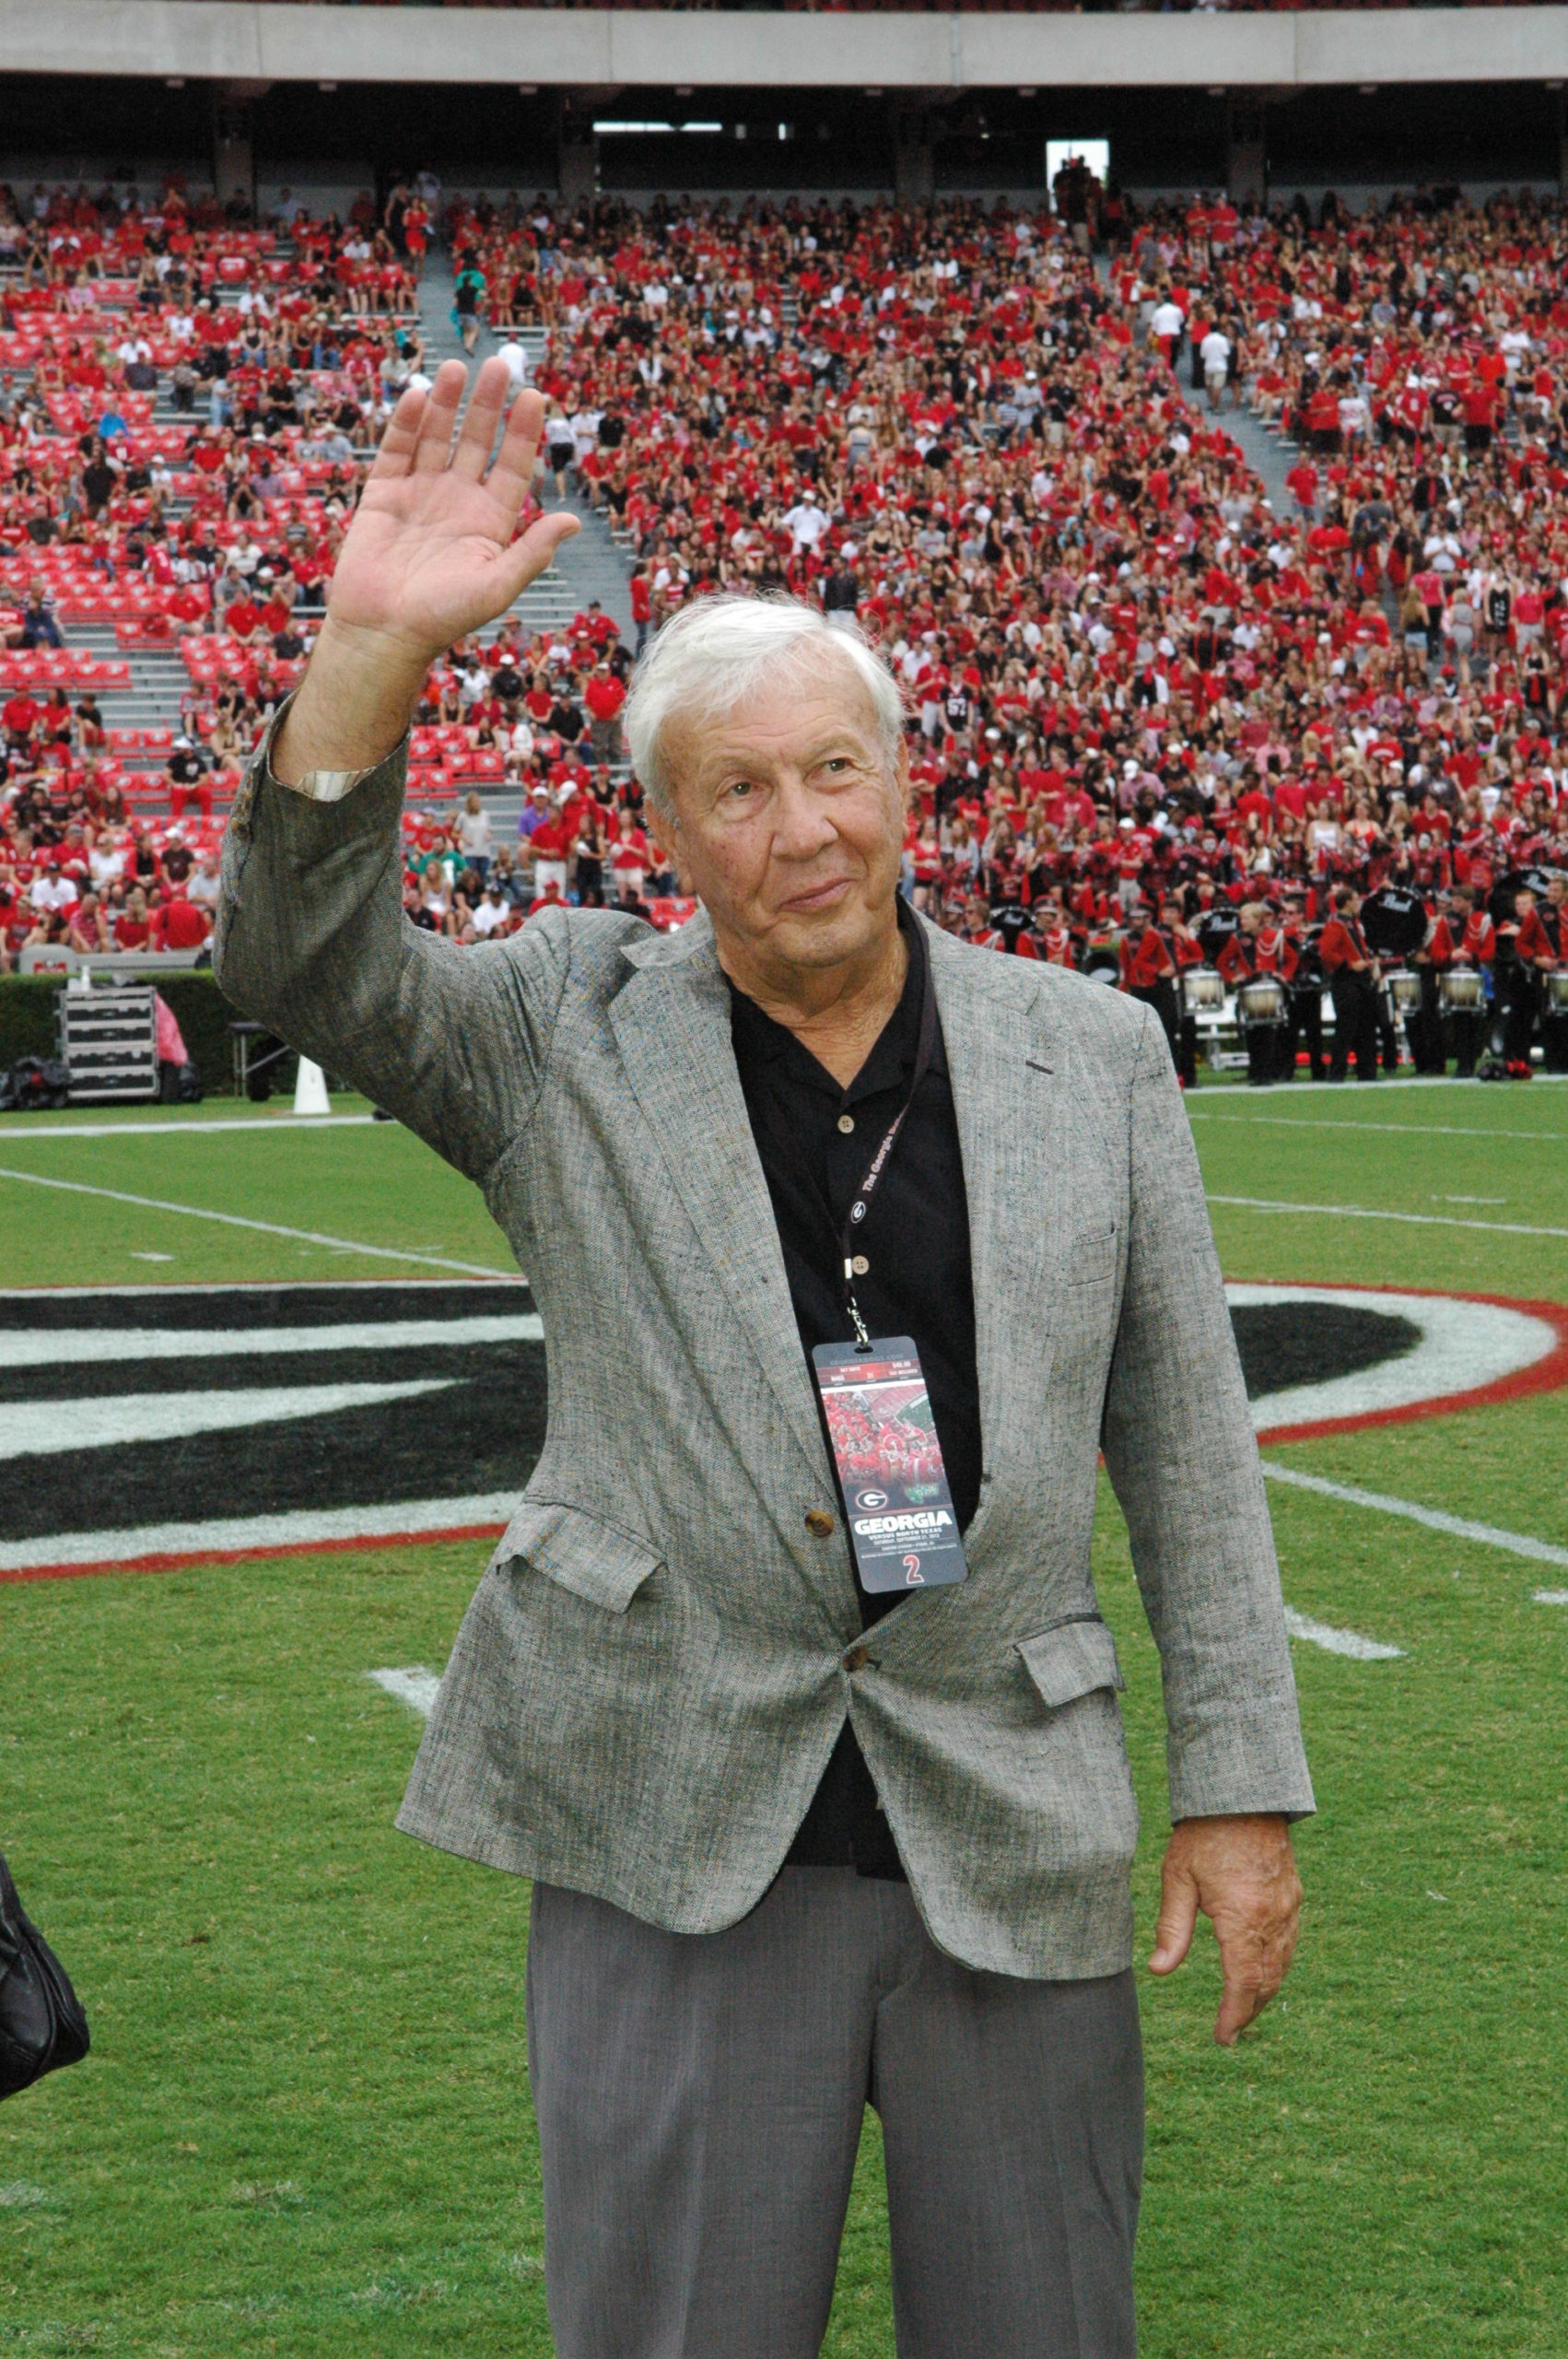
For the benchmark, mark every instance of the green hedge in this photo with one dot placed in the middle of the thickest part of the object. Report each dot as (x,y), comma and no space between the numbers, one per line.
(26,1024)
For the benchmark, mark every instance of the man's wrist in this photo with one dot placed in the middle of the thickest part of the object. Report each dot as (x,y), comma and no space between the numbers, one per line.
(353,707)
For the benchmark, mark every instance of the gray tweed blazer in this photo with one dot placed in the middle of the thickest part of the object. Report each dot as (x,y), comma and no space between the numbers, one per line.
(662,1652)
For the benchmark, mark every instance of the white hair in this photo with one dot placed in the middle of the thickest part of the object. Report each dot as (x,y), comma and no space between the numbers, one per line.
(717,651)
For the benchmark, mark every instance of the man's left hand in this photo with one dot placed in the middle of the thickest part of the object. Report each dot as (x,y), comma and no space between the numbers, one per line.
(1241,1873)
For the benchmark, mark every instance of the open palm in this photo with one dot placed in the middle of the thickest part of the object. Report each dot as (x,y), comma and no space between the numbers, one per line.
(431,552)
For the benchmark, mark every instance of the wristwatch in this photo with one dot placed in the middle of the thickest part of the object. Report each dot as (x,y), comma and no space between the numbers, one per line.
(322,786)
(316,786)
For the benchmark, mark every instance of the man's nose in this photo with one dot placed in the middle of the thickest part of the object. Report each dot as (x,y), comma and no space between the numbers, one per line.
(801,827)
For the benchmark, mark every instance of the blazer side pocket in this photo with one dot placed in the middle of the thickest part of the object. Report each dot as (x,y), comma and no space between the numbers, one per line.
(596,1562)
(1069,1660)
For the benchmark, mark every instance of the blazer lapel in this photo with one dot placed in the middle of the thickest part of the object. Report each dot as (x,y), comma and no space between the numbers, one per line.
(672,1025)
(1009,1075)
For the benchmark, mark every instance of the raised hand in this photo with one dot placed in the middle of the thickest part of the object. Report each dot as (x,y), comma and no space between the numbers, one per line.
(433,552)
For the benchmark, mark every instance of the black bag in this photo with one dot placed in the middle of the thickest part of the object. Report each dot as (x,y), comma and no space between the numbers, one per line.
(34,1083)
(43,2024)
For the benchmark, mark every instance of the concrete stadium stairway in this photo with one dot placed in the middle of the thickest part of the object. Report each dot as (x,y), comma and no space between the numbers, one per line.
(591,566)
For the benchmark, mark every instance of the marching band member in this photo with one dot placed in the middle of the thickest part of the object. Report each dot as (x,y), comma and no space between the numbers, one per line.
(1304,991)
(1259,949)
(1432,962)
(1475,946)
(1543,945)
(1352,975)
(1148,969)
(1051,934)
(1516,986)
(1187,951)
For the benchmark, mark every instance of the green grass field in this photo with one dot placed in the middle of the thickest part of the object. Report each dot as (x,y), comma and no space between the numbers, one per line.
(305,2127)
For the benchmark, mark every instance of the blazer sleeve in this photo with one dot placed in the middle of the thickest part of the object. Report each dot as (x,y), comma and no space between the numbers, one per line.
(312,940)
(1182,1458)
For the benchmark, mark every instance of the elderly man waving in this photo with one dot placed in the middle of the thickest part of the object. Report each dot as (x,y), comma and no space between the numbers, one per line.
(786,1684)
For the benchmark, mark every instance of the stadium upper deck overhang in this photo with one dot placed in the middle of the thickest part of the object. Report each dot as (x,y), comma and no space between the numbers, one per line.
(229,41)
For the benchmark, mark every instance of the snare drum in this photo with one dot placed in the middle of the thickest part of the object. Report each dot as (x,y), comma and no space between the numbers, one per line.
(1557,993)
(1261,1001)
(1202,992)
(1404,991)
(1461,993)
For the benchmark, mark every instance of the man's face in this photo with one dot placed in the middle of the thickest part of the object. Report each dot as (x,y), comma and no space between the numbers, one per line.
(791,822)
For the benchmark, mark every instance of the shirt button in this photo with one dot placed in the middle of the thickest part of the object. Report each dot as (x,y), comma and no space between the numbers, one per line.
(819,1522)
(856,1659)
(846,1123)
(860,1265)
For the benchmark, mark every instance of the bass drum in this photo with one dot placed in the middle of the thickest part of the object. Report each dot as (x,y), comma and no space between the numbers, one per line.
(1394,922)
(1215,929)
(1500,903)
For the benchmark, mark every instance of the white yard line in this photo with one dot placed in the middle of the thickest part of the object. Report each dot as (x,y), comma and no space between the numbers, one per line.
(1457,1527)
(267,1227)
(1365,1212)
(1551,1596)
(1352,1123)
(239,1535)
(226,1126)
(416,1686)
(1339,1642)
(95,1346)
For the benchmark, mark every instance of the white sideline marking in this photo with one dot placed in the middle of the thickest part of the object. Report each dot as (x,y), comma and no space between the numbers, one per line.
(1551,1597)
(96,1346)
(272,1228)
(296,1527)
(1352,1122)
(37,1428)
(226,1126)
(415,1687)
(1362,1212)
(1461,1347)
(152,1257)
(1339,1642)
(152,1292)
(1459,1527)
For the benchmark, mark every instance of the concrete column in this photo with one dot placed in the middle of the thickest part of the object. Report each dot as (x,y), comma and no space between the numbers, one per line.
(914,157)
(580,172)
(233,150)
(1246,153)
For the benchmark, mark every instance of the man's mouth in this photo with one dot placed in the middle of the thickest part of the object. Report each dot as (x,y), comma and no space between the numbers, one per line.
(817,897)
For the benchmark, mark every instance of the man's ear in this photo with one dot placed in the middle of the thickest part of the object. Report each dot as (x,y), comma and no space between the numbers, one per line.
(901,772)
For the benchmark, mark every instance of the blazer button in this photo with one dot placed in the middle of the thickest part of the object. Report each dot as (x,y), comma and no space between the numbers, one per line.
(819,1522)
(856,1659)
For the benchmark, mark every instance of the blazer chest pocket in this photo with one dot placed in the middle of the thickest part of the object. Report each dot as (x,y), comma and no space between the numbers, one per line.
(596,1562)
(1072,1659)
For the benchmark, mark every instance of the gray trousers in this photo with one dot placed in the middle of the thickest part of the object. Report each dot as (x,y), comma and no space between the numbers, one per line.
(700,2098)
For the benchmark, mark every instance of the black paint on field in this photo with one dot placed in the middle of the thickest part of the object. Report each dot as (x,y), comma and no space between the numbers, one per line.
(1287,1343)
(483,1433)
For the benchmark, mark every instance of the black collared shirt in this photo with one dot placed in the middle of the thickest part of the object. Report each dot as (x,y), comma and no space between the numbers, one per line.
(919,1284)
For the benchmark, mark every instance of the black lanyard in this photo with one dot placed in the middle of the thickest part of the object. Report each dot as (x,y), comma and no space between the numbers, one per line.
(853,1264)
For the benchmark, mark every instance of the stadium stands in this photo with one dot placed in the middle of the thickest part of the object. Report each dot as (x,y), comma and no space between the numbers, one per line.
(1136,680)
